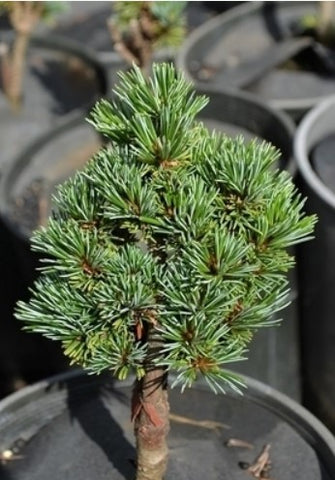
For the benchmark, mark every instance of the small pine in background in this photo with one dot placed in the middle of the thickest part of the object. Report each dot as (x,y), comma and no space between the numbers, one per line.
(139,28)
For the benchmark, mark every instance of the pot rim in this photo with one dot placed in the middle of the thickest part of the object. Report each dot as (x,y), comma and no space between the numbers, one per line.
(301,150)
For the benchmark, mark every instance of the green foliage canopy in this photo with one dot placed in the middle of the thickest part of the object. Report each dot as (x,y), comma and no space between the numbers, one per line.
(171,236)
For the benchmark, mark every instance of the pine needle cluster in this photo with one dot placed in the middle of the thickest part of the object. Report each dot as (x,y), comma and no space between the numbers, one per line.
(170,247)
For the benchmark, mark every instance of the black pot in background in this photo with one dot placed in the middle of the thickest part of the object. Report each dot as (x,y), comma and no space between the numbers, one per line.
(30,181)
(25,192)
(60,78)
(317,259)
(244,37)
(27,184)
(78,426)
(82,51)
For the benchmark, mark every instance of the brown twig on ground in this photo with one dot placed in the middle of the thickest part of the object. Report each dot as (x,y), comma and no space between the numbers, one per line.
(209,424)
(261,466)
(236,442)
(8,456)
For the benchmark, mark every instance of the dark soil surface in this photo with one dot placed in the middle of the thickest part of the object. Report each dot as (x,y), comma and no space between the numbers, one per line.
(85,433)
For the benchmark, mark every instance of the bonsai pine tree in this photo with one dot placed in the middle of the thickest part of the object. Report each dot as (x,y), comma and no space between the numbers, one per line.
(166,253)
(138,28)
(24,18)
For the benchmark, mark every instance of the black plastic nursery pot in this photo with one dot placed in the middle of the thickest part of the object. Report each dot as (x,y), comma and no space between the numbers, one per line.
(314,151)
(61,77)
(247,48)
(78,427)
(27,185)
(25,193)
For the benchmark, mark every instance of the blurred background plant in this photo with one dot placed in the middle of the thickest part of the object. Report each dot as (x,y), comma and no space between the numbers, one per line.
(321,24)
(139,28)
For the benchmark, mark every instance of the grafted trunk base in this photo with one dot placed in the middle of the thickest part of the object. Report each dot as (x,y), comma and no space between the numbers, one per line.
(151,412)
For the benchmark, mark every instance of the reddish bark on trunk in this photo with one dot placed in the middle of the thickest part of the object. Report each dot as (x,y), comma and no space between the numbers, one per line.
(151,415)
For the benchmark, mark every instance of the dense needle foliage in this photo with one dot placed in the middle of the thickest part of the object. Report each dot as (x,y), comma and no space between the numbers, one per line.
(170,234)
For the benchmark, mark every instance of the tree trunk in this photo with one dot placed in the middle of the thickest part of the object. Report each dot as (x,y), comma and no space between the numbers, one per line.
(16,64)
(151,412)
(146,55)
(325,20)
